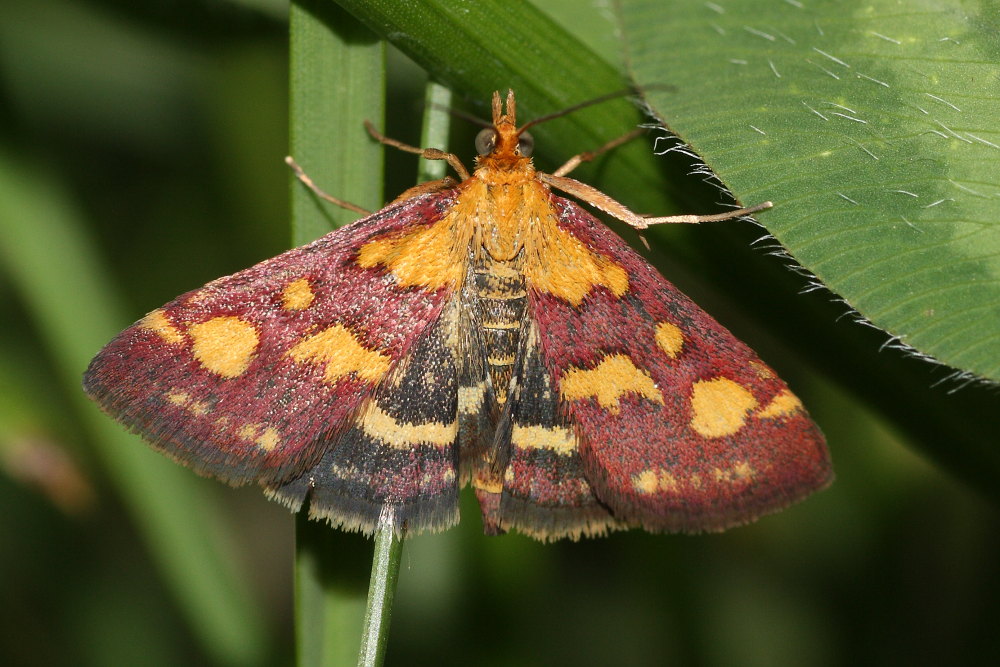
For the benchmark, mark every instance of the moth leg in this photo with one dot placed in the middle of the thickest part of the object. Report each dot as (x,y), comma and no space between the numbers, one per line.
(587,156)
(308,182)
(614,208)
(426,153)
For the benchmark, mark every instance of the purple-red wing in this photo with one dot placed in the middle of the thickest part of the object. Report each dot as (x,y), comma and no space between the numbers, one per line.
(273,420)
(645,460)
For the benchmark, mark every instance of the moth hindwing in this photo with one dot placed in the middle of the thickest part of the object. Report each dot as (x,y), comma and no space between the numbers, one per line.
(485,331)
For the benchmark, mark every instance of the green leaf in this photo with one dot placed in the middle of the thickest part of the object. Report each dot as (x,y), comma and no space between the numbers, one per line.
(337,81)
(481,47)
(876,131)
(478,47)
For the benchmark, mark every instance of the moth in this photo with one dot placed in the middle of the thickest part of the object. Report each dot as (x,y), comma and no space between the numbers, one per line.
(482,331)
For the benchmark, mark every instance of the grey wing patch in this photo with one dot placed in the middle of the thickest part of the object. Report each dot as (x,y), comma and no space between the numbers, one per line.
(401,449)
(542,489)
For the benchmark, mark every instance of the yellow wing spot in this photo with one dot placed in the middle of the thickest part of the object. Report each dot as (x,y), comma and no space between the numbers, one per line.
(336,348)
(224,345)
(265,437)
(719,407)
(654,481)
(657,480)
(612,276)
(297,295)
(669,338)
(348,473)
(429,257)
(557,439)
(157,321)
(762,371)
(614,377)
(178,398)
(734,473)
(183,399)
(433,478)
(646,482)
(268,439)
(564,266)
(402,435)
(783,404)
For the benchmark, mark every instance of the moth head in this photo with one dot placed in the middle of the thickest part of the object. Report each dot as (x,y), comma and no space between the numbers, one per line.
(504,141)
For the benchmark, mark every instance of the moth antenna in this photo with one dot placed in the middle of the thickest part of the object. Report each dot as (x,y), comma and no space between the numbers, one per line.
(587,103)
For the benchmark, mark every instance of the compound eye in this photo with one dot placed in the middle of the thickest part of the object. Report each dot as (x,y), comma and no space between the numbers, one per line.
(525,144)
(486,141)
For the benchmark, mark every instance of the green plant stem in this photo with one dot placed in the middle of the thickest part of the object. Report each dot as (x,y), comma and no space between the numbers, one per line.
(382,589)
(389,547)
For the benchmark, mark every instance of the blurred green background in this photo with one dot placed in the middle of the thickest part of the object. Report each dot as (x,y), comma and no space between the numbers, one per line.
(141,152)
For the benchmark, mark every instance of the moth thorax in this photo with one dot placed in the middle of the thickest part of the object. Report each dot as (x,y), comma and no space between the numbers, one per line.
(506,218)
(501,299)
